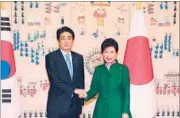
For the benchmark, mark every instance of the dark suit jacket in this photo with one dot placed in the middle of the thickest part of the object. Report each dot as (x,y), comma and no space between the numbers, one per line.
(61,87)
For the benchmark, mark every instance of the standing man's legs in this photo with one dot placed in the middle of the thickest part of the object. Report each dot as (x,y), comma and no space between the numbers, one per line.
(73,111)
(74,114)
(64,115)
(70,114)
(51,114)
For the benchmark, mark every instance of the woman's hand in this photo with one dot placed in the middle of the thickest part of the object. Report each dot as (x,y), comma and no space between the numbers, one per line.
(125,115)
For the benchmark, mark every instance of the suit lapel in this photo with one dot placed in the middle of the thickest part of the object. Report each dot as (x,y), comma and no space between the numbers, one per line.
(74,62)
(63,63)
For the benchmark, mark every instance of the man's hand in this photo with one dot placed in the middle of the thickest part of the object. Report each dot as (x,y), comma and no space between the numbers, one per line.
(80,116)
(81,93)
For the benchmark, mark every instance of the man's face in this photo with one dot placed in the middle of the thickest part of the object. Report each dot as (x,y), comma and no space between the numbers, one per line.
(66,41)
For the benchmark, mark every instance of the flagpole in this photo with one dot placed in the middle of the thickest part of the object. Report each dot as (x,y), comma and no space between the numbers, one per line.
(3,5)
(138,5)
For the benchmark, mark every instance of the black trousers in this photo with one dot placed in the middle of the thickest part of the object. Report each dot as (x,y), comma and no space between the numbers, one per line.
(72,113)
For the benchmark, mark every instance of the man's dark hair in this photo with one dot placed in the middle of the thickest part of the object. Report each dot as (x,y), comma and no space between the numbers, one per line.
(64,29)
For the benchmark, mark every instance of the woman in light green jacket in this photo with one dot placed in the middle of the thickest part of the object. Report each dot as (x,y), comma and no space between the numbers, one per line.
(112,84)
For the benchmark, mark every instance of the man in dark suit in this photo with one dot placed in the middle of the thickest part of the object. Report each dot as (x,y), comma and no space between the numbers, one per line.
(65,70)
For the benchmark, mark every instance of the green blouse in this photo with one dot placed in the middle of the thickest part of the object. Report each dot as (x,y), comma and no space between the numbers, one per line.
(113,89)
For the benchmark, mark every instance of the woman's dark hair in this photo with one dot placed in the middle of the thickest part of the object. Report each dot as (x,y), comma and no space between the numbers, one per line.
(110,42)
(64,29)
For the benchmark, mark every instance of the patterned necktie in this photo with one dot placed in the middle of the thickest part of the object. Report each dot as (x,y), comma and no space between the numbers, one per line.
(68,62)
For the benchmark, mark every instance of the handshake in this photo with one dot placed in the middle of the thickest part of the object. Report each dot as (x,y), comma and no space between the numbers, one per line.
(81,93)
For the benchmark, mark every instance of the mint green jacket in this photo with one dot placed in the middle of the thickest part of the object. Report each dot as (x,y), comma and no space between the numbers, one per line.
(113,89)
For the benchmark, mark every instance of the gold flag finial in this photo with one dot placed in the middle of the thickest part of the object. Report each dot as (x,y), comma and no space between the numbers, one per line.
(3,5)
(138,5)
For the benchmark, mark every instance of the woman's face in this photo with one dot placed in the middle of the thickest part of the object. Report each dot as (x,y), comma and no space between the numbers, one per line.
(109,54)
